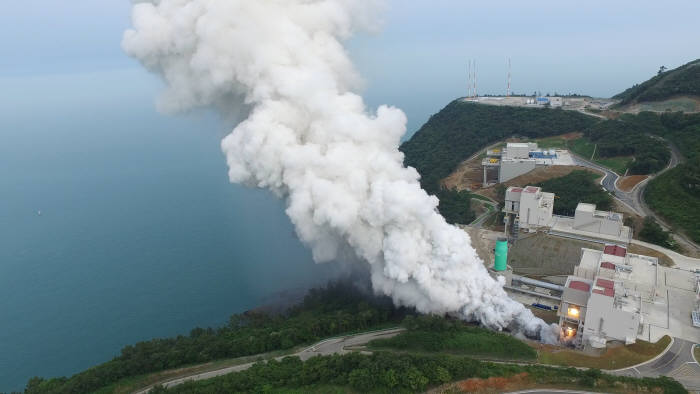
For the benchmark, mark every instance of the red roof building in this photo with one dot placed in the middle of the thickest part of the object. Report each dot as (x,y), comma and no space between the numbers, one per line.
(578,285)
(608,265)
(605,292)
(608,284)
(615,250)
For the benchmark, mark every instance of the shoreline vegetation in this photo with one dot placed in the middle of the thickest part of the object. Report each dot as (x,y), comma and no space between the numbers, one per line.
(433,351)
(339,308)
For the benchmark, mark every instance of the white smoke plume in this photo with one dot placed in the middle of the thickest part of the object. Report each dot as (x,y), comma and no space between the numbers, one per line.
(310,139)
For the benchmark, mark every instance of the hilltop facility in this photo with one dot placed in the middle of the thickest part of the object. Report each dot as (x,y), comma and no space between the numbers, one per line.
(530,209)
(518,158)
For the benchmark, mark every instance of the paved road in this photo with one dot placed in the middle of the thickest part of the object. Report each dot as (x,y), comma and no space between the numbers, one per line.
(478,222)
(677,362)
(323,348)
(635,199)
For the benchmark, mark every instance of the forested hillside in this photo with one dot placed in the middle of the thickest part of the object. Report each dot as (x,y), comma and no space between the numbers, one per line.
(675,194)
(578,186)
(461,129)
(339,308)
(627,137)
(684,80)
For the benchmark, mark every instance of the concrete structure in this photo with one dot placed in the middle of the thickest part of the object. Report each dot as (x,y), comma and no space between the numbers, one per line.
(587,218)
(696,313)
(519,158)
(614,295)
(556,101)
(592,224)
(606,302)
(530,206)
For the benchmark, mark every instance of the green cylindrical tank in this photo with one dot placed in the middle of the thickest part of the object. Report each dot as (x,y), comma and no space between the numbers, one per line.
(501,255)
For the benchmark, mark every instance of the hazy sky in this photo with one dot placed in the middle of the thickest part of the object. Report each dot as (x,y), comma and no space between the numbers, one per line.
(418,61)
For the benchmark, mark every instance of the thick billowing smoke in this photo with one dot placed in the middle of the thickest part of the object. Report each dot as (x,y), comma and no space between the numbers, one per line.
(308,138)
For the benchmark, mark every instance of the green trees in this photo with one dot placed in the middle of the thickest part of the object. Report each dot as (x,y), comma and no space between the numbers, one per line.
(455,206)
(682,80)
(577,186)
(335,309)
(627,137)
(461,129)
(440,335)
(384,372)
(652,232)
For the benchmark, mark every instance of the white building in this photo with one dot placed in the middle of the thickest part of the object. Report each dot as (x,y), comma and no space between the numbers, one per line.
(556,101)
(587,218)
(590,223)
(531,206)
(519,158)
(606,298)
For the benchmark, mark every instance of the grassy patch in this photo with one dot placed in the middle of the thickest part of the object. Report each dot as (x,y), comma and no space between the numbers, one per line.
(458,339)
(480,197)
(619,164)
(612,358)
(314,389)
(585,148)
(582,147)
(555,142)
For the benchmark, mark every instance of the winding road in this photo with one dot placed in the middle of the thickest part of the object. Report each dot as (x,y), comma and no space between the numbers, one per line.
(326,347)
(676,362)
(634,199)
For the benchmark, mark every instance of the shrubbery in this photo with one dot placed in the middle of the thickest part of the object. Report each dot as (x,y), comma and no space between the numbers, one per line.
(682,80)
(384,372)
(577,186)
(339,308)
(461,129)
(435,334)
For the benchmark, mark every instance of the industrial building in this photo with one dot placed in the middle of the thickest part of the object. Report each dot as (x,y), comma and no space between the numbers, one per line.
(590,223)
(531,206)
(612,296)
(605,298)
(519,158)
(530,209)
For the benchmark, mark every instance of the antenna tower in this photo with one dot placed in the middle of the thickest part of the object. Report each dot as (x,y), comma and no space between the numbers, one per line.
(475,94)
(508,88)
(469,78)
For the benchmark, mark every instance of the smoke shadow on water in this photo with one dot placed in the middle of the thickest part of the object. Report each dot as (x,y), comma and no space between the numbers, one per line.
(118,224)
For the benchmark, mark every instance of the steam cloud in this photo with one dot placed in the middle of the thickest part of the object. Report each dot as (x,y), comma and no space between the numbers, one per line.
(308,138)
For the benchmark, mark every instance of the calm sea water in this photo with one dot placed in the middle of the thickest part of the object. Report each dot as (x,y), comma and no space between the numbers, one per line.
(139,234)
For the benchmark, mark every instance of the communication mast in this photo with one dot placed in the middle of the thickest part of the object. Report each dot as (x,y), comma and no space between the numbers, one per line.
(469,78)
(471,83)
(508,88)
(475,93)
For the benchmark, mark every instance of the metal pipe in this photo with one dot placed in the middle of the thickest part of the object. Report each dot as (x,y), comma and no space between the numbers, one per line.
(538,283)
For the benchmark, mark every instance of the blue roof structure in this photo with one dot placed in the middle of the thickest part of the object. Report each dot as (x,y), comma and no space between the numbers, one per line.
(542,155)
